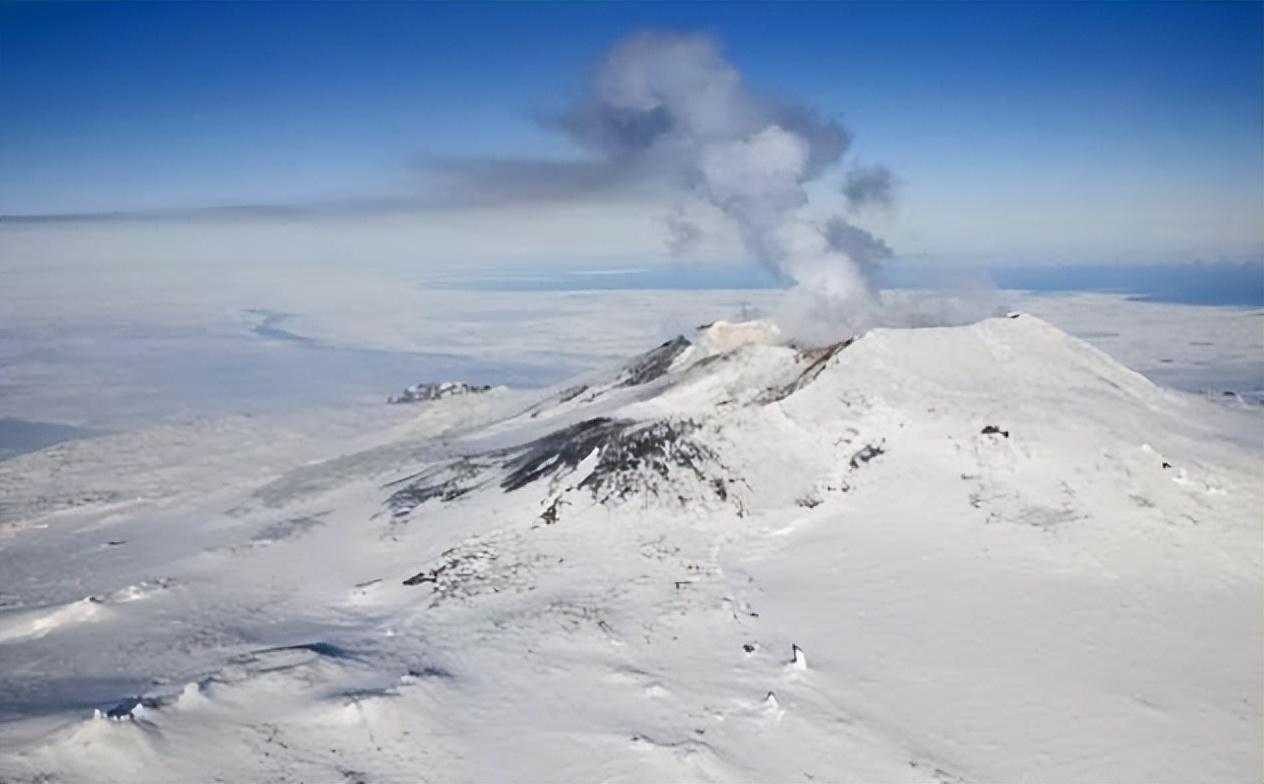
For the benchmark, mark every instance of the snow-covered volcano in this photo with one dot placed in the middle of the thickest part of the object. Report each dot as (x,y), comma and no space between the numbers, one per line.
(982,553)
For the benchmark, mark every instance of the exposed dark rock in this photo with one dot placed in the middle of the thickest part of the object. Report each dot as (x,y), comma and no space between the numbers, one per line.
(447,482)
(320,648)
(867,453)
(721,490)
(429,671)
(635,455)
(418,393)
(456,565)
(654,363)
(993,430)
(350,776)
(564,448)
(631,457)
(431,576)
(817,359)
(123,710)
(549,515)
(472,569)
(565,396)
(796,655)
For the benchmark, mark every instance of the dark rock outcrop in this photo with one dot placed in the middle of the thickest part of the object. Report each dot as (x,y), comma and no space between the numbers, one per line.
(418,393)
(654,363)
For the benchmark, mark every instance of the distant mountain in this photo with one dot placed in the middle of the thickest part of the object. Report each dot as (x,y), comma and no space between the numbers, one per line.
(418,393)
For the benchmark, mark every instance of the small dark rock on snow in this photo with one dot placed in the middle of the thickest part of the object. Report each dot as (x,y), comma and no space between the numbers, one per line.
(866,454)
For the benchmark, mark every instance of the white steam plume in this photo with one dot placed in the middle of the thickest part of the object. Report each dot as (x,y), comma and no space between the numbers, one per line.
(671,102)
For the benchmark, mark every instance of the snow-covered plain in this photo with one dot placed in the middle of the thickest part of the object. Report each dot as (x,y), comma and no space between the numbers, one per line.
(977,553)
(106,357)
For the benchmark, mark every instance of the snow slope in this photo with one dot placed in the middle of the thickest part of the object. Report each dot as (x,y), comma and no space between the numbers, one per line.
(981,553)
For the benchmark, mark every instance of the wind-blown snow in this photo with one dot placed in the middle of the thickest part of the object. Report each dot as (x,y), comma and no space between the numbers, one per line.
(979,553)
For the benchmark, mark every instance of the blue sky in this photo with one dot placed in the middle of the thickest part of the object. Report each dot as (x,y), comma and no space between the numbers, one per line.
(1044,131)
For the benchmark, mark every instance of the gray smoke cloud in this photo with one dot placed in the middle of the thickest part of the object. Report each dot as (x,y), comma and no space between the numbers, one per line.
(683,235)
(490,182)
(865,250)
(869,186)
(669,105)
(667,109)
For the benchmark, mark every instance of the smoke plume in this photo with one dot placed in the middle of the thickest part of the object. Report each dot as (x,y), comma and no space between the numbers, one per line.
(869,186)
(682,235)
(669,103)
(666,108)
